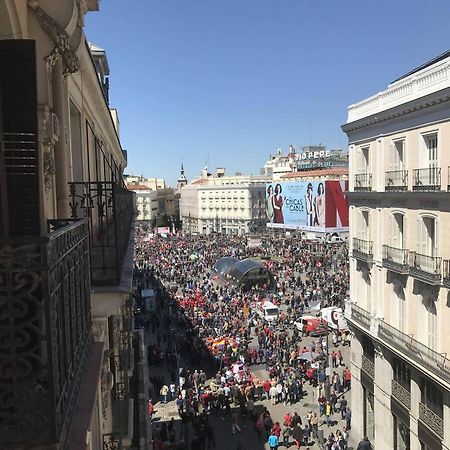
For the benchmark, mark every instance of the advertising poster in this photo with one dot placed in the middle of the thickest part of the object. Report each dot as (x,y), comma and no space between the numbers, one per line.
(307,205)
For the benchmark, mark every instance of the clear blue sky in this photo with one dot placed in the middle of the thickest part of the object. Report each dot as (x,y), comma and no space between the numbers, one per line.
(233,80)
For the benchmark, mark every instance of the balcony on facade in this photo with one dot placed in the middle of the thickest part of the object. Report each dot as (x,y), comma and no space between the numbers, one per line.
(45,285)
(363,182)
(362,250)
(446,273)
(427,179)
(432,420)
(108,206)
(423,356)
(396,259)
(360,316)
(401,394)
(425,268)
(368,366)
(396,180)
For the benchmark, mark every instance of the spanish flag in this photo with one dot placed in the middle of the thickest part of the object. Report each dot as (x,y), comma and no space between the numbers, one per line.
(220,343)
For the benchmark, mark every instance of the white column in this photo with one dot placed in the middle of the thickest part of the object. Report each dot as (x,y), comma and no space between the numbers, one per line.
(357,397)
(414,416)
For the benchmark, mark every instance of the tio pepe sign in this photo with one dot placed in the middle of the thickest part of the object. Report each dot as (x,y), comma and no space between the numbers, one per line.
(314,155)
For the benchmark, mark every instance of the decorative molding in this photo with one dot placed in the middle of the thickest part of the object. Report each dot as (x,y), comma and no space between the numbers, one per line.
(61,39)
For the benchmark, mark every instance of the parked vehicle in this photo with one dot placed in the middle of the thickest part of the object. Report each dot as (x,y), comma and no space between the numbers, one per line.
(311,325)
(334,318)
(268,311)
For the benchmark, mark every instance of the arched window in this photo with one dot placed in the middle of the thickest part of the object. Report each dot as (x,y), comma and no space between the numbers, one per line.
(427,235)
(397,230)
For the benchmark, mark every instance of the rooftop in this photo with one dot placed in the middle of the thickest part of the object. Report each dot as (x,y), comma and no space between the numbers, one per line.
(329,172)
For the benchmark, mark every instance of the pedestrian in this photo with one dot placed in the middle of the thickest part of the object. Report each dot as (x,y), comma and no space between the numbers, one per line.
(328,412)
(164,391)
(365,444)
(297,434)
(287,431)
(235,422)
(348,419)
(273,441)
(343,406)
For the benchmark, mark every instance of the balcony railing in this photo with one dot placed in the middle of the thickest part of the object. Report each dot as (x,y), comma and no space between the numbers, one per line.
(426,268)
(46,333)
(362,249)
(363,182)
(428,179)
(396,180)
(109,209)
(396,259)
(431,420)
(422,355)
(401,394)
(446,274)
(368,366)
(360,316)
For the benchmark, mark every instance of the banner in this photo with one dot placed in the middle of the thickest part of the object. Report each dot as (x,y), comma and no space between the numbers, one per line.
(308,205)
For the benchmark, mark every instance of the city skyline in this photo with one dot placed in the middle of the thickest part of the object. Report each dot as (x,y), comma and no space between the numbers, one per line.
(195,83)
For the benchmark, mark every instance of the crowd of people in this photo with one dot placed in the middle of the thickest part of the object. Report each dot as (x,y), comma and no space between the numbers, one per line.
(212,340)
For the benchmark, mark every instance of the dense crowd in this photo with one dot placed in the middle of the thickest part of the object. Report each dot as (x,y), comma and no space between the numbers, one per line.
(211,338)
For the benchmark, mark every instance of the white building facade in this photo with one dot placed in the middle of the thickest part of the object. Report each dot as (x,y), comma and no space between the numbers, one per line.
(400,261)
(223,204)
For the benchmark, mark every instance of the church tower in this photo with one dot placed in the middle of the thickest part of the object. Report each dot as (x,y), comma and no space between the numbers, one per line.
(182,181)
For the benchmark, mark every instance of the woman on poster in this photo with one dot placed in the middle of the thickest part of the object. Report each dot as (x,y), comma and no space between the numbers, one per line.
(309,200)
(319,206)
(278,204)
(269,203)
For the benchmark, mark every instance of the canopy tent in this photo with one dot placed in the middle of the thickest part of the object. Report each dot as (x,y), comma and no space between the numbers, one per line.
(245,273)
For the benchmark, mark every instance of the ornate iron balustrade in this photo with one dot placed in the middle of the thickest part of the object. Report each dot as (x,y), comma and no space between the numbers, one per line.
(431,420)
(396,259)
(423,356)
(368,366)
(428,179)
(401,394)
(362,249)
(45,329)
(396,180)
(426,268)
(108,206)
(446,275)
(363,182)
(360,316)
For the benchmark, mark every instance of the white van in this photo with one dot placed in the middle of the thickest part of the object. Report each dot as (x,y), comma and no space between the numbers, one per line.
(335,318)
(268,311)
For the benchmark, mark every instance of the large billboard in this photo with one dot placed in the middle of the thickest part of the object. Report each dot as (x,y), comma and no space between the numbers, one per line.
(308,205)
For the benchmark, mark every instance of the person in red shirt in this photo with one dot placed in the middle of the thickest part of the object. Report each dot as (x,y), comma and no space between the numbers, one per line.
(287,419)
(266,387)
(151,409)
(347,378)
(276,429)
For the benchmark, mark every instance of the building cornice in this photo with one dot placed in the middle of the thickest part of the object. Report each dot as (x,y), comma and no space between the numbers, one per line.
(406,108)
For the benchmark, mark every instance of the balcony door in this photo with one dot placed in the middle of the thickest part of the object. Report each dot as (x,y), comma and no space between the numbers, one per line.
(430,158)
(427,244)
(397,156)
(397,230)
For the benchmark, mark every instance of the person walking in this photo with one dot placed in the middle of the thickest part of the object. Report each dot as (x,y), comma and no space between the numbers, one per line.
(235,422)
(297,434)
(328,412)
(348,419)
(365,444)
(273,441)
(164,391)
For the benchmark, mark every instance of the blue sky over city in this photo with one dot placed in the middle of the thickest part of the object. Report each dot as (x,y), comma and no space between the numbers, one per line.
(229,81)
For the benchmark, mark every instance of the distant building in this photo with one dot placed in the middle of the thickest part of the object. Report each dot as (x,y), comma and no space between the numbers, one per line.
(151,183)
(223,204)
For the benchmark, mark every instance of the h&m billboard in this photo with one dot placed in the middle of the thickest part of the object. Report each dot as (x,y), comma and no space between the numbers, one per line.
(309,205)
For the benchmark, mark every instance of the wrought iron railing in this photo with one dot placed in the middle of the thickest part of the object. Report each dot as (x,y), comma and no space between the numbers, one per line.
(360,316)
(433,421)
(396,180)
(363,182)
(401,394)
(362,249)
(426,268)
(368,366)
(396,259)
(428,179)
(446,273)
(109,209)
(46,331)
(423,356)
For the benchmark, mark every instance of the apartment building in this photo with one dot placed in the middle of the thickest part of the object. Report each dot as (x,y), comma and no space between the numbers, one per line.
(223,204)
(400,260)
(66,239)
